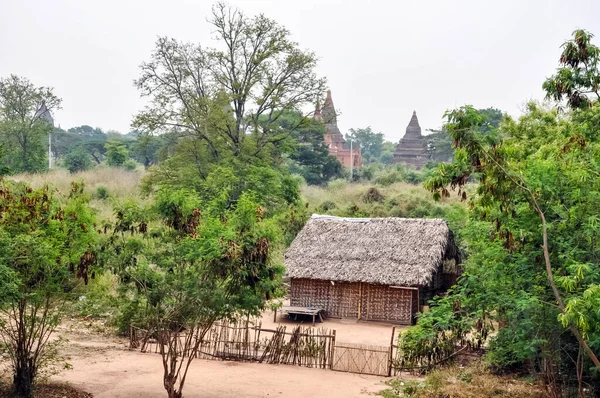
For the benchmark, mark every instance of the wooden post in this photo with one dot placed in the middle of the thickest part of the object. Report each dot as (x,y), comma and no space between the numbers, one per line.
(332,350)
(359,298)
(391,351)
(275,315)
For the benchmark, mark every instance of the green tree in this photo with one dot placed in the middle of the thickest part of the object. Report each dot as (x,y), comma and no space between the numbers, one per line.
(439,144)
(534,224)
(43,245)
(199,267)
(370,143)
(224,105)
(387,152)
(78,160)
(24,127)
(577,79)
(311,157)
(146,148)
(116,153)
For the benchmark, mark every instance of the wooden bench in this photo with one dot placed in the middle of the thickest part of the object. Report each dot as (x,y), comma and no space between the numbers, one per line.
(310,311)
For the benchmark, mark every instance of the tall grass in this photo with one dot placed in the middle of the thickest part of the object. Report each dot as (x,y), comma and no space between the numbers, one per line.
(399,200)
(119,183)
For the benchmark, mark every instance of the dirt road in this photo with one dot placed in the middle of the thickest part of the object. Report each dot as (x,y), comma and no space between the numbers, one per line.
(105,368)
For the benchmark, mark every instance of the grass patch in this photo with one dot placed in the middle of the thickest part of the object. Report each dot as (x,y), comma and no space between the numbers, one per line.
(455,382)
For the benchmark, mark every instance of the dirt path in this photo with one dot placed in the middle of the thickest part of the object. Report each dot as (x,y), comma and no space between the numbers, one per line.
(104,367)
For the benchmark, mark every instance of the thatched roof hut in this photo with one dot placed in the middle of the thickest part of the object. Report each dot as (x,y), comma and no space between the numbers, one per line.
(381,252)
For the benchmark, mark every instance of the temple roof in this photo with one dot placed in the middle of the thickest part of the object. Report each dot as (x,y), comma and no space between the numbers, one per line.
(413,129)
(411,148)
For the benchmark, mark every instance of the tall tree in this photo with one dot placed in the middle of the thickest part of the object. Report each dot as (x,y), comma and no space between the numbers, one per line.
(24,114)
(577,79)
(440,143)
(225,102)
(370,143)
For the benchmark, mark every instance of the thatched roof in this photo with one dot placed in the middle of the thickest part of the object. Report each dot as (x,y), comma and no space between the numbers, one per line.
(389,251)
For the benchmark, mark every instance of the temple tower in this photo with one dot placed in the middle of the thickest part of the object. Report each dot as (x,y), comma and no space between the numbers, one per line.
(411,148)
(334,139)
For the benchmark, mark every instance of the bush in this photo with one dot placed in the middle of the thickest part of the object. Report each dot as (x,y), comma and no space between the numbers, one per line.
(373,196)
(116,153)
(78,160)
(130,165)
(326,206)
(389,178)
(337,184)
(102,192)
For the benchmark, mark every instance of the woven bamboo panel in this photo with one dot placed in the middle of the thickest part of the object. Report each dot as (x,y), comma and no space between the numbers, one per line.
(345,298)
(310,293)
(339,300)
(383,303)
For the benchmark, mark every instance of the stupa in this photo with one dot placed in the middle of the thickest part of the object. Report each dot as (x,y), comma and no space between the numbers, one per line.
(411,148)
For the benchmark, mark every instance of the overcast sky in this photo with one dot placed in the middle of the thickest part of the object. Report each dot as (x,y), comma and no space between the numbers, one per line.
(383,59)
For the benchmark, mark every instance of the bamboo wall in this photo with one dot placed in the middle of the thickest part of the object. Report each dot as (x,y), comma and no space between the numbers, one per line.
(356,300)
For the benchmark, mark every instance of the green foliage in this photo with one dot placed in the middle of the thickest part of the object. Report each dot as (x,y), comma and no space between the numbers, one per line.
(440,145)
(43,245)
(82,138)
(116,153)
(370,143)
(130,165)
(78,160)
(102,192)
(536,175)
(311,157)
(197,267)
(577,79)
(337,184)
(24,127)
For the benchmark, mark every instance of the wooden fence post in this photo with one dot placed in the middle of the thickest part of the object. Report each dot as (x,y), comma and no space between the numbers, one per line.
(332,350)
(391,351)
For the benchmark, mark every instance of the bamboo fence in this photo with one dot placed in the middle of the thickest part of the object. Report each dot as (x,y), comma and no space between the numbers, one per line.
(247,341)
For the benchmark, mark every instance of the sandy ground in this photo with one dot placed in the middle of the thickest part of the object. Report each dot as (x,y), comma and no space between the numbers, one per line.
(103,366)
(347,330)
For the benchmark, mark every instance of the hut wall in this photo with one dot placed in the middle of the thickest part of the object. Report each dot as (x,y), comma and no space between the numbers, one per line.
(385,303)
(339,300)
(348,300)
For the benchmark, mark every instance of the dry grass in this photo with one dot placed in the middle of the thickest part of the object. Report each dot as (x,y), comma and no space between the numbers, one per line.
(120,184)
(470,382)
(399,200)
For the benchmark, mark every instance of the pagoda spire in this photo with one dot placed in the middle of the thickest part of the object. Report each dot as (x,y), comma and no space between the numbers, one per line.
(328,111)
(318,116)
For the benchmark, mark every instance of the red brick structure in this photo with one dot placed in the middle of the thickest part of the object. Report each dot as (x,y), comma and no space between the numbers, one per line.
(334,139)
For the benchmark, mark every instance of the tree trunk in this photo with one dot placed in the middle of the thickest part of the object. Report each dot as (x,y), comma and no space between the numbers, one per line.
(169,383)
(25,373)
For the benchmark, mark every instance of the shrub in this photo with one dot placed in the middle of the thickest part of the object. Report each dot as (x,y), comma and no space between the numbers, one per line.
(116,153)
(78,160)
(389,178)
(373,196)
(130,165)
(337,184)
(102,192)
(327,205)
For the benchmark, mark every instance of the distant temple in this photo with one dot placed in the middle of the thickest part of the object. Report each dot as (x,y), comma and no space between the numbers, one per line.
(411,149)
(44,114)
(334,139)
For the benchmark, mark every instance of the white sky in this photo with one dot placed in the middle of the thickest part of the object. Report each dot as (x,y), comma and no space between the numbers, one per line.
(383,59)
